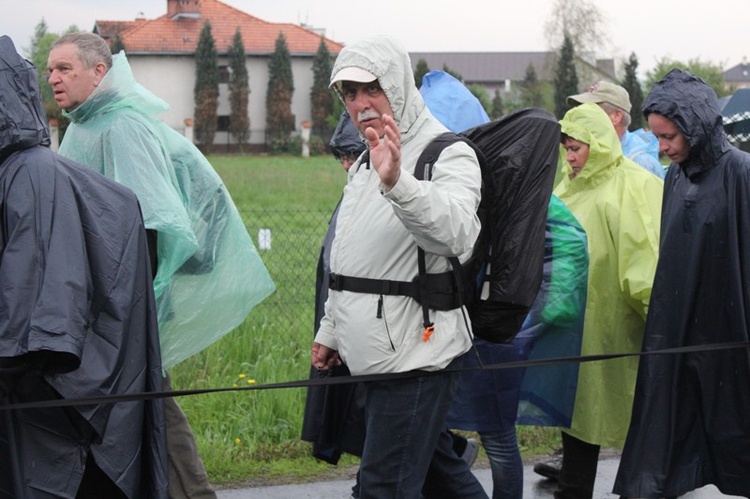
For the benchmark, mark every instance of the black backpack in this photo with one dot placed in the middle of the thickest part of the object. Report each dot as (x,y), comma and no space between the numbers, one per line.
(518,157)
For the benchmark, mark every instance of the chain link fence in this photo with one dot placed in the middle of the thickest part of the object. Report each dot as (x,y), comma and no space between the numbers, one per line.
(289,242)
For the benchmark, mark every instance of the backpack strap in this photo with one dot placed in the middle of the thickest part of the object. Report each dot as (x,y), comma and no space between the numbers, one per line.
(431,153)
(423,171)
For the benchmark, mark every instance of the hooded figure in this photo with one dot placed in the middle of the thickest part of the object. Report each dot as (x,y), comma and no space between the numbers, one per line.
(618,204)
(346,139)
(77,317)
(210,275)
(333,419)
(385,214)
(690,424)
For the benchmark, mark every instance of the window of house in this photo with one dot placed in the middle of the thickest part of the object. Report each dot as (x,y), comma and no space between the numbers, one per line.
(224,73)
(223,124)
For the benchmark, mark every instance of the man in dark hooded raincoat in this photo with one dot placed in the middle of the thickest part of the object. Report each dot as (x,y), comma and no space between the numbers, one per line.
(77,317)
(691,415)
(333,419)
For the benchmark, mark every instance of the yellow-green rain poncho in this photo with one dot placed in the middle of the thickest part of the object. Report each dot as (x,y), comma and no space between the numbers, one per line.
(209,273)
(618,203)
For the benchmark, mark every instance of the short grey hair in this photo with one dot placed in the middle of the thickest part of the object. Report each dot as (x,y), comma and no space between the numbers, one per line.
(611,108)
(91,48)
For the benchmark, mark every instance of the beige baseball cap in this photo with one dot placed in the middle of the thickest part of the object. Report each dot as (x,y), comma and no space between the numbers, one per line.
(352,73)
(603,91)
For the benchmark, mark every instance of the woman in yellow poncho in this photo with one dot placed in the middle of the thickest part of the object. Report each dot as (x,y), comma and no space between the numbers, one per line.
(618,203)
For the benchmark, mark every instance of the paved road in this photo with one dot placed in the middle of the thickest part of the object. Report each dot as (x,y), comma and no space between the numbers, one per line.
(535,487)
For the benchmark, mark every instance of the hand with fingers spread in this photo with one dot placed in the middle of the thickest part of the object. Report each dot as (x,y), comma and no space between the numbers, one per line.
(385,152)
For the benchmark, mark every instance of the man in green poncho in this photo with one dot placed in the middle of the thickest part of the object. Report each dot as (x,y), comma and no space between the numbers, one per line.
(208,275)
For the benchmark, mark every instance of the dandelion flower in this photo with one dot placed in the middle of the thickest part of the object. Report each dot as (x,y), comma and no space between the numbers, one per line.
(251,382)
(243,376)
(234,385)
(237,440)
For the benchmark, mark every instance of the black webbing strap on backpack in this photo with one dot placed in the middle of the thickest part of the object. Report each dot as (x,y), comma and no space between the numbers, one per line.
(423,171)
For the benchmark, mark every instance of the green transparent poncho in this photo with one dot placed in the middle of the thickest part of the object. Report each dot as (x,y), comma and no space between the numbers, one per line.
(210,275)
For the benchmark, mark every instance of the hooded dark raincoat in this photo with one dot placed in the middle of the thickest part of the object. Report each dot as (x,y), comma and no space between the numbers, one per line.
(77,314)
(333,419)
(691,413)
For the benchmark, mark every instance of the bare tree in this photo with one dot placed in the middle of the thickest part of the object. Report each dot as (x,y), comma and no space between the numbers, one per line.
(582,21)
(585,25)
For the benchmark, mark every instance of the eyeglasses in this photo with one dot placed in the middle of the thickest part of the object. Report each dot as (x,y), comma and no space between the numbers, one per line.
(350,89)
(345,157)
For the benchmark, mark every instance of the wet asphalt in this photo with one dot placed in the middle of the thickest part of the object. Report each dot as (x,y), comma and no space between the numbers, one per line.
(535,486)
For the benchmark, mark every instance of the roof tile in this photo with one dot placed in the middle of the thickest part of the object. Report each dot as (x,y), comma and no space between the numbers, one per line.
(181,33)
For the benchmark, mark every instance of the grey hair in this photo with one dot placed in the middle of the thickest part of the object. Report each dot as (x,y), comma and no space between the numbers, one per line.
(91,48)
(611,108)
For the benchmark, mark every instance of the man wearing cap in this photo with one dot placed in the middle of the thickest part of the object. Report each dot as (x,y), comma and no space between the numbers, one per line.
(615,101)
(385,214)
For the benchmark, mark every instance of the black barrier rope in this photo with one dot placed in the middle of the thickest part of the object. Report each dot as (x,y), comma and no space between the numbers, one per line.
(340,380)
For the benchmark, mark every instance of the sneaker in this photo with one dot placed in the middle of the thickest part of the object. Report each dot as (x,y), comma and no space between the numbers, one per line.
(470,452)
(550,469)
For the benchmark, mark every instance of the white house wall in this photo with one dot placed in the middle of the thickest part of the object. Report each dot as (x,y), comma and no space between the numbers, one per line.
(172,78)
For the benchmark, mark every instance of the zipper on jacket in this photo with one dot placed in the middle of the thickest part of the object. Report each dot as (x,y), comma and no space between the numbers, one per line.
(381,315)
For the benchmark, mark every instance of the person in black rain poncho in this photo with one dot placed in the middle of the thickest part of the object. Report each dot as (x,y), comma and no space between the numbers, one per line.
(77,317)
(690,424)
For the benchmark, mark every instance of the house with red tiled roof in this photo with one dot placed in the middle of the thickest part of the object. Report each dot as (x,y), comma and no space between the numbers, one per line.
(161,53)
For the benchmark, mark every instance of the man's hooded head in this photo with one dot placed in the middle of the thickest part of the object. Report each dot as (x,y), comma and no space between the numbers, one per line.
(386,61)
(23,123)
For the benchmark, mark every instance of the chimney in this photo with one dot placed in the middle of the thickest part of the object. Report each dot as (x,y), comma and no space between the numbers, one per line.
(183,8)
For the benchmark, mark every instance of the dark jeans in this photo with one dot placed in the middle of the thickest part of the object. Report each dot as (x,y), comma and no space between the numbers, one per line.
(578,472)
(505,460)
(405,433)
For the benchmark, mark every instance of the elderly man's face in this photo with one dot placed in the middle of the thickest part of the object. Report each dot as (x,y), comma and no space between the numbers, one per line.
(366,103)
(71,81)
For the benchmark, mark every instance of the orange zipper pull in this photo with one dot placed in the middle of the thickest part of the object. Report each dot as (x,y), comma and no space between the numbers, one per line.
(428,330)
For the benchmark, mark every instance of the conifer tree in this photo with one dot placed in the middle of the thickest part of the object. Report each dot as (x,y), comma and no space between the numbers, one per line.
(206,90)
(633,86)
(531,89)
(419,72)
(117,44)
(566,77)
(239,89)
(497,106)
(279,117)
(321,97)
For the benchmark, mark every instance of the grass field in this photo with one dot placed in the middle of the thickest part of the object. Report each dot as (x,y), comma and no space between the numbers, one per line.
(253,436)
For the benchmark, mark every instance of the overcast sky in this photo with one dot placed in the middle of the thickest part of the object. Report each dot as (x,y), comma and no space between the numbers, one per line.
(715,31)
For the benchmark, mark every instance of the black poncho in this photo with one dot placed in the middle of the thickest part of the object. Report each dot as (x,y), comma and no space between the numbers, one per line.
(691,414)
(77,314)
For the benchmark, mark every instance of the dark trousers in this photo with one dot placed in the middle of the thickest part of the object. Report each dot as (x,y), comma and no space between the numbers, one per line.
(187,475)
(578,473)
(404,431)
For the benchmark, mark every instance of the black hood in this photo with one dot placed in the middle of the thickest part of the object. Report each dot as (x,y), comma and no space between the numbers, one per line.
(692,105)
(346,138)
(23,123)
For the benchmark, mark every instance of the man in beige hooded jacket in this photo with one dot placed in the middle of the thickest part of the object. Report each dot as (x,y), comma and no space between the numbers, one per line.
(385,214)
